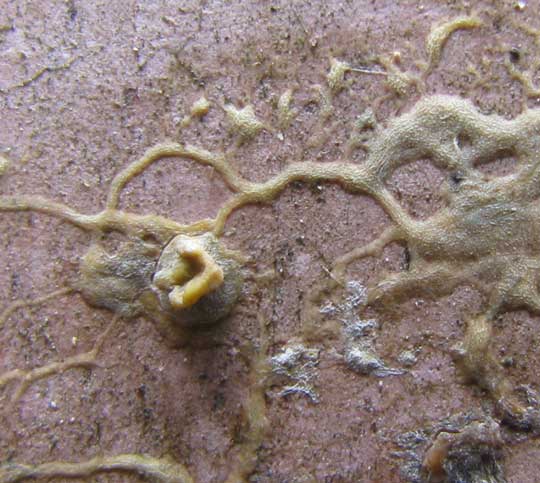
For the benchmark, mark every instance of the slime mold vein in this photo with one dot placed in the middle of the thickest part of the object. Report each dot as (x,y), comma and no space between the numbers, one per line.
(487,235)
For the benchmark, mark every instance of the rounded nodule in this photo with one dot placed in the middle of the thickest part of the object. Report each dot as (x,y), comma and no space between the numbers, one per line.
(195,281)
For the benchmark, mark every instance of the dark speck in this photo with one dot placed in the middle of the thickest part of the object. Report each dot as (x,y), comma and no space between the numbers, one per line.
(406,263)
(456,178)
(72,10)
(515,55)
(147,413)
(141,391)
(219,401)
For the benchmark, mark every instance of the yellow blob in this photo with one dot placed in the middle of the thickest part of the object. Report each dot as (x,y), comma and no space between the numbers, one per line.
(4,165)
(336,75)
(200,107)
(196,282)
(285,113)
(193,274)
(244,121)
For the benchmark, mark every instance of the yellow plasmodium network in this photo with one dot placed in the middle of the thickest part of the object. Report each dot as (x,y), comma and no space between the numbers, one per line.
(464,242)
(486,236)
